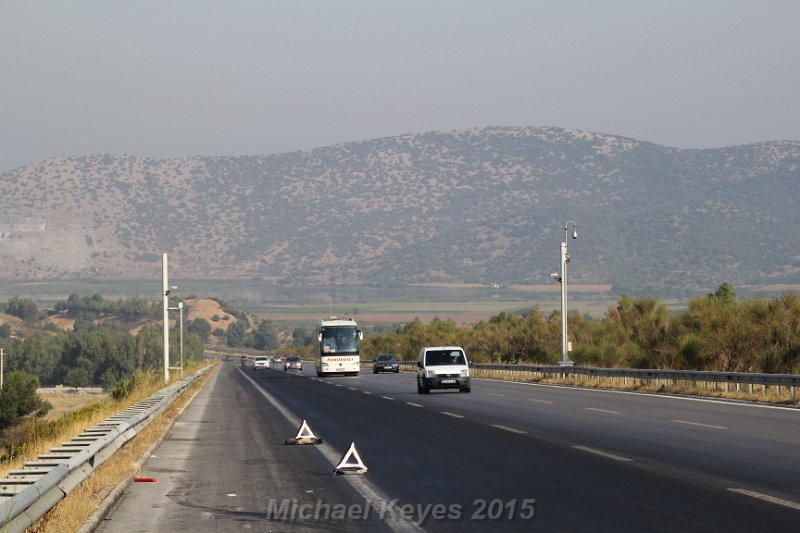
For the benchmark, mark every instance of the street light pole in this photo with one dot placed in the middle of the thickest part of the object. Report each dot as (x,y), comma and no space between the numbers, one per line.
(180,308)
(180,331)
(564,260)
(165,300)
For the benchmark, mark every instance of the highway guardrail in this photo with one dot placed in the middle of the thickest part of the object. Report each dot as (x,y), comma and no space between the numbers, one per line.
(28,493)
(632,376)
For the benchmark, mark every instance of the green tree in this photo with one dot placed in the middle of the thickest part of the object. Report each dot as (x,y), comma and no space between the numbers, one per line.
(18,398)
(725,293)
(23,308)
(237,334)
(200,327)
(77,377)
(265,336)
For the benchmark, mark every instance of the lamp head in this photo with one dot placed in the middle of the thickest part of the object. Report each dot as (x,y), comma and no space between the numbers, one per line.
(575,232)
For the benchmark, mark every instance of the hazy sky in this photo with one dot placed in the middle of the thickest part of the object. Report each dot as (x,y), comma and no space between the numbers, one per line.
(169,78)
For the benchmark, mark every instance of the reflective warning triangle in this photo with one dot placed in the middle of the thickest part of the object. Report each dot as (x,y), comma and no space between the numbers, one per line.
(305,431)
(351,462)
(304,436)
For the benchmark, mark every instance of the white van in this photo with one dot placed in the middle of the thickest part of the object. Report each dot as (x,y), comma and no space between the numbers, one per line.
(442,367)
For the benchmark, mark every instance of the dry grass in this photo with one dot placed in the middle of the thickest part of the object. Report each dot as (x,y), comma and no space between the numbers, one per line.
(74,510)
(64,404)
(710,390)
(27,441)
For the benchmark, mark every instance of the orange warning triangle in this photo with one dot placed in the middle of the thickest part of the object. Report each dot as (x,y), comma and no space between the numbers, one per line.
(351,462)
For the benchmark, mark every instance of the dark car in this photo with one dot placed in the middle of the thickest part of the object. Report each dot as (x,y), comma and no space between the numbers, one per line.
(293,363)
(385,362)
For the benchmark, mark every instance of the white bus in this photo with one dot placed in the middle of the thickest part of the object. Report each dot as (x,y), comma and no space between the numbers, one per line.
(337,350)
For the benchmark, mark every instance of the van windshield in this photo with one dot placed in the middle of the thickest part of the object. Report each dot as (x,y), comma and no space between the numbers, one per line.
(444,357)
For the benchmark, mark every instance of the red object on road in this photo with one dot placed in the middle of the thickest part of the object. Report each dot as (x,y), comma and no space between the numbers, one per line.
(145,479)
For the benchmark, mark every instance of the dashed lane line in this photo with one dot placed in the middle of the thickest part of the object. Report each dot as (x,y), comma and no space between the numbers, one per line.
(601,410)
(698,424)
(415,404)
(506,428)
(603,454)
(767,498)
(454,415)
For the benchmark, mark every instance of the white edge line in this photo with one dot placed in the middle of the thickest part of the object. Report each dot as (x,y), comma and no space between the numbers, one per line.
(767,498)
(359,483)
(603,454)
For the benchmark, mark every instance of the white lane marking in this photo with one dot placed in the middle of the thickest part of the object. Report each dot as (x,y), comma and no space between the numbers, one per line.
(539,401)
(338,384)
(352,388)
(415,404)
(366,392)
(370,492)
(602,453)
(454,415)
(601,410)
(494,394)
(698,424)
(387,397)
(767,498)
(506,428)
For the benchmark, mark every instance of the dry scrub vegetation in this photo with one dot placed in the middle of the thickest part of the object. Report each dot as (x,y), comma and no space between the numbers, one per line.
(74,510)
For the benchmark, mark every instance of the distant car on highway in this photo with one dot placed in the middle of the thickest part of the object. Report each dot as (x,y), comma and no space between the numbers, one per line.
(243,360)
(293,363)
(385,362)
(261,362)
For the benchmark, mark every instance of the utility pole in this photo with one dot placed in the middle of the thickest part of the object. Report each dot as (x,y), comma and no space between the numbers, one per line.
(1,368)
(165,297)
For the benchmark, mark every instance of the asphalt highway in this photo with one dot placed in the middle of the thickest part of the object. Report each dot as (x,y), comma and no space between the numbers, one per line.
(510,457)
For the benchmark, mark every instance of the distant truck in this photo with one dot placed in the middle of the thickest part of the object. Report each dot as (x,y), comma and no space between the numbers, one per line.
(337,349)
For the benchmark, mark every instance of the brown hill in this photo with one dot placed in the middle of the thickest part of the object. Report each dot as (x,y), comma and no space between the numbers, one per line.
(479,206)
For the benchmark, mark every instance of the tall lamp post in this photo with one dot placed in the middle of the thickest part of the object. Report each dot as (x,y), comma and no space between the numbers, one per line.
(562,277)
(180,330)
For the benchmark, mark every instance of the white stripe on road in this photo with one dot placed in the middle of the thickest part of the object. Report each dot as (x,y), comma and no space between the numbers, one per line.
(539,401)
(352,388)
(494,394)
(387,397)
(394,518)
(454,415)
(602,453)
(698,424)
(602,410)
(767,498)
(415,404)
(506,428)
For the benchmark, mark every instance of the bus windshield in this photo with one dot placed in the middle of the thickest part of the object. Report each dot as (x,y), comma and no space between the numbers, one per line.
(340,339)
